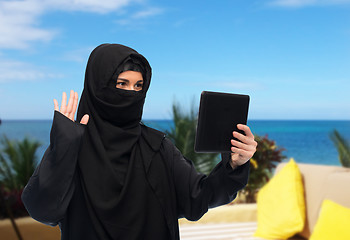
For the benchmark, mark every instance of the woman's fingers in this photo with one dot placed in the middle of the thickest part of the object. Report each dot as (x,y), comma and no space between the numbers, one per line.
(69,109)
(70,106)
(248,138)
(243,153)
(247,147)
(63,103)
(75,104)
(55,103)
(240,137)
(84,119)
(244,150)
(246,130)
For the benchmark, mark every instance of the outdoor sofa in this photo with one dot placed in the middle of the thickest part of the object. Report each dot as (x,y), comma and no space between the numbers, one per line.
(240,221)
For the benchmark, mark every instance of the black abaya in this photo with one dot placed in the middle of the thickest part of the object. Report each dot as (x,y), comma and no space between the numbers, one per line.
(54,195)
(111,142)
(115,178)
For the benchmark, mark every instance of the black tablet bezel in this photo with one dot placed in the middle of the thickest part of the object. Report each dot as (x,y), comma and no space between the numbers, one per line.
(218,116)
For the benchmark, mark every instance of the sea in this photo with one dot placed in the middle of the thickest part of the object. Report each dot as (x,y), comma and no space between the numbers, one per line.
(307,141)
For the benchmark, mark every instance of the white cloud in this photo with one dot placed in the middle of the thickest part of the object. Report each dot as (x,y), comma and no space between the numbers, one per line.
(306,3)
(150,12)
(79,55)
(18,24)
(96,6)
(147,13)
(20,71)
(20,20)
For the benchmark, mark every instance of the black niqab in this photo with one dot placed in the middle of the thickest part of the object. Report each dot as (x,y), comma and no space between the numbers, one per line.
(112,132)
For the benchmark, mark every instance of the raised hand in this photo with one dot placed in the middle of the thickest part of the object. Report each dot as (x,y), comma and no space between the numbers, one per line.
(244,150)
(69,109)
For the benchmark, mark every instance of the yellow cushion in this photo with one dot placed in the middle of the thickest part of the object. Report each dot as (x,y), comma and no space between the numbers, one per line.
(333,222)
(281,204)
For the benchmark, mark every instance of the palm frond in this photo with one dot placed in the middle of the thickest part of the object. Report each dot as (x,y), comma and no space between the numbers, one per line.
(7,176)
(343,148)
(183,136)
(17,162)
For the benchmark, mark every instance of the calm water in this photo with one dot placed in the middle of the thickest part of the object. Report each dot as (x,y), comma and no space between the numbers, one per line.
(305,141)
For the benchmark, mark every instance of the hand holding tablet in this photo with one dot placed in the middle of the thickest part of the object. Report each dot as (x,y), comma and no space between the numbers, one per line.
(244,149)
(222,126)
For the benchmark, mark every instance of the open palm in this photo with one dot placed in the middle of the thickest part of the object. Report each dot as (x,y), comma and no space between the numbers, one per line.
(69,109)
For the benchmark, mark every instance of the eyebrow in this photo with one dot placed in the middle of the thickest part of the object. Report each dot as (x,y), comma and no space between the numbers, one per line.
(126,80)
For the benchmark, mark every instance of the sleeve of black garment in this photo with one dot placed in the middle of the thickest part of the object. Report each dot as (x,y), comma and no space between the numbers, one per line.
(50,189)
(196,192)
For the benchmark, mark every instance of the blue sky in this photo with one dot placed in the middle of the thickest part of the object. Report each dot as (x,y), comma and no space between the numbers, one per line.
(291,56)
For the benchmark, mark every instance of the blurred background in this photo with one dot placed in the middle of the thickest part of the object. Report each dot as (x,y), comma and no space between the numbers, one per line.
(291,56)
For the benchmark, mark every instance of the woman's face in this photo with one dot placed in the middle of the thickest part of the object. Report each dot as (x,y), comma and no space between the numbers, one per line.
(130,80)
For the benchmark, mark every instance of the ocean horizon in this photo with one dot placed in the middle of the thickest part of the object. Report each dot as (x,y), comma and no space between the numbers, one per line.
(307,141)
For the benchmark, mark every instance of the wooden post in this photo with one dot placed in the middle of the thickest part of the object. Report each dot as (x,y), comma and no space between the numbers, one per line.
(9,212)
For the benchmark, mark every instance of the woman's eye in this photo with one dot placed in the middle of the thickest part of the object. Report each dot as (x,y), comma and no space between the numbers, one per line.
(139,85)
(121,84)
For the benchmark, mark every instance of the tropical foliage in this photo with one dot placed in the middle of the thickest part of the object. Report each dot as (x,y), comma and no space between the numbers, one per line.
(17,164)
(263,163)
(183,136)
(343,148)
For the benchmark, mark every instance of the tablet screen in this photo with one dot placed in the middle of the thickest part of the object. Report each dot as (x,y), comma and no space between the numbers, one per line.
(218,116)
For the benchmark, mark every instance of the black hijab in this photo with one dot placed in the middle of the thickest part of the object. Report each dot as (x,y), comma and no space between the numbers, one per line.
(112,131)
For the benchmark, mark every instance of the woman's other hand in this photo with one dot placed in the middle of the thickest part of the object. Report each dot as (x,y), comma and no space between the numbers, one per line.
(244,150)
(69,109)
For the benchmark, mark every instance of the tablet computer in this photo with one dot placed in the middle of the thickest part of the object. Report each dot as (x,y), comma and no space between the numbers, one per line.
(218,116)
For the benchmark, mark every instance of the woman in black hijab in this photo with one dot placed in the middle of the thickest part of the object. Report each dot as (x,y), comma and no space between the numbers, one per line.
(111,177)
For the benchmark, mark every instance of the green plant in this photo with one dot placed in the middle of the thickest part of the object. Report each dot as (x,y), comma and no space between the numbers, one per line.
(17,164)
(6,210)
(183,136)
(264,161)
(343,148)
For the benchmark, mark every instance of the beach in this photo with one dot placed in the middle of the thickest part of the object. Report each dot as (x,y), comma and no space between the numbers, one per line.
(307,141)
